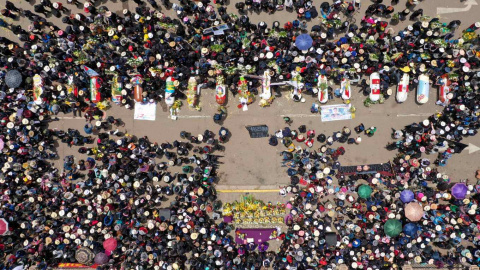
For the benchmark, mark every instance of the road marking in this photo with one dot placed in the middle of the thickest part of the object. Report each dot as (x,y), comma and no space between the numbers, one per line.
(468,5)
(300,115)
(413,114)
(192,116)
(472,148)
(248,190)
(70,118)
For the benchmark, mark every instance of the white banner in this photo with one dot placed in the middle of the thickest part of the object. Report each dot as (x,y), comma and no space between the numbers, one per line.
(335,112)
(145,111)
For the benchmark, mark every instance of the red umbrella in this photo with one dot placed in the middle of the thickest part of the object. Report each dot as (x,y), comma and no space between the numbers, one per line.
(3,226)
(110,244)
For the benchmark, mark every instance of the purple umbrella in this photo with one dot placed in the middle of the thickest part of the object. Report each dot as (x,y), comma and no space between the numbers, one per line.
(407,196)
(263,247)
(459,191)
(101,258)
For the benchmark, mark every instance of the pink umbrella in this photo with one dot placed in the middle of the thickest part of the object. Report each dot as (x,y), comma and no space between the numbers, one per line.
(3,226)
(2,144)
(414,211)
(110,244)
(101,258)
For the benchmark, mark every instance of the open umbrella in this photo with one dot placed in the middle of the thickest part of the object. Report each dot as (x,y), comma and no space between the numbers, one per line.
(304,42)
(3,226)
(392,227)
(410,229)
(407,196)
(84,255)
(110,244)
(13,78)
(101,258)
(459,191)
(414,211)
(364,191)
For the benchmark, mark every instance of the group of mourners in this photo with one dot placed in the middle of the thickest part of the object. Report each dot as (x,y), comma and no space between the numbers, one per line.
(125,202)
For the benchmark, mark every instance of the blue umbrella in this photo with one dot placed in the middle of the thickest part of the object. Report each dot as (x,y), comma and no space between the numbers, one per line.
(304,42)
(407,196)
(410,229)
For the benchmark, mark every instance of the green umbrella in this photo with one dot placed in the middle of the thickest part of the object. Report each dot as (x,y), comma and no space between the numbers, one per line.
(392,227)
(364,191)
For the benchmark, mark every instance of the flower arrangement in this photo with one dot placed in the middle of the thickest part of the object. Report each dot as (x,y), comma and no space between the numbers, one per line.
(249,211)
(135,61)
(396,56)
(440,42)
(425,56)
(469,36)
(356,40)
(104,105)
(386,58)
(231,70)
(373,57)
(167,26)
(450,64)
(368,102)
(244,93)
(82,57)
(217,48)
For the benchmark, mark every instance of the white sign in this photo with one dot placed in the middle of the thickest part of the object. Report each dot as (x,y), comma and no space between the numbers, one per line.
(335,112)
(145,111)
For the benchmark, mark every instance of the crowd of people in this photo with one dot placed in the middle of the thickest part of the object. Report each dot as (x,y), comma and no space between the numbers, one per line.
(116,206)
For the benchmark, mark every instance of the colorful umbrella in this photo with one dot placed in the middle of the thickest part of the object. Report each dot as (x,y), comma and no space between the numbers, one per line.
(84,255)
(414,211)
(392,227)
(13,79)
(407,196)
(459,191)
(101,258)
(304,42)
(410,229)
(110,244)
(3,226)
(364,191)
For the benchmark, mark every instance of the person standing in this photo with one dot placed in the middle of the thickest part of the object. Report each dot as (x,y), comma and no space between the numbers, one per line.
(8,13)
(75,109)
(10,6)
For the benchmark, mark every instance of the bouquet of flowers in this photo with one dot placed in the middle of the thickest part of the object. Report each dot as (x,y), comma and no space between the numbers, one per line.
(135,62)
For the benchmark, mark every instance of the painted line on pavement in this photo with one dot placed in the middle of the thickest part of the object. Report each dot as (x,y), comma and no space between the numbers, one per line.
(248,190)
(193,116)
(300,115)
(414,114)
(70,118)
